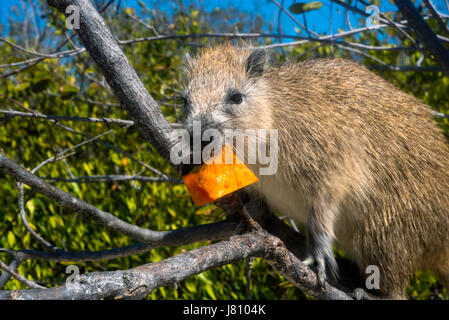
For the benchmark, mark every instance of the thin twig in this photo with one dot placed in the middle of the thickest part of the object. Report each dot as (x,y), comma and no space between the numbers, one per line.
(111,178)
(22,279)
(217,230)
(5,276)
(23,217)
(436,15)
(295,20)
(105,218)
(68,118)
(112,147)
(59,155)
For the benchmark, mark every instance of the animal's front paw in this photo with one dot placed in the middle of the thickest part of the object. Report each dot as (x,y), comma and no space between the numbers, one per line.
(361,294)
(321,259)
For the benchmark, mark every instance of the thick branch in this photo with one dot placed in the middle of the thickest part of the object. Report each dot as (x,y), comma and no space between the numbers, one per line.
(142,280)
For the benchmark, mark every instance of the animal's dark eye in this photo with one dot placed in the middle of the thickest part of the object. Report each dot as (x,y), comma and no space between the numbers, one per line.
(236,98)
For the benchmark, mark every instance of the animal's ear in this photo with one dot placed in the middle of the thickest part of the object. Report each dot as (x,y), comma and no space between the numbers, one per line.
(255,64)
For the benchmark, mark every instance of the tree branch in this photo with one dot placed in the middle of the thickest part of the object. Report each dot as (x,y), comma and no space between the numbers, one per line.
(424,33)
(120,75)
(187,235)
(142,280)
(22,279)
(436,15)
(111,178)
(123,122)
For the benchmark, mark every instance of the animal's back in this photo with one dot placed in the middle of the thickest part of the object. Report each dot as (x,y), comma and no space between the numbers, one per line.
(374,154)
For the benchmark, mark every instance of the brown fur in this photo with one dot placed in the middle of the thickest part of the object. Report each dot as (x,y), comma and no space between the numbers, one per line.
(358,158)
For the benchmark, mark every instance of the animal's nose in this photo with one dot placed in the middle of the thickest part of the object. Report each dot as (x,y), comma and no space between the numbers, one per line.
(206,121)
(199,122)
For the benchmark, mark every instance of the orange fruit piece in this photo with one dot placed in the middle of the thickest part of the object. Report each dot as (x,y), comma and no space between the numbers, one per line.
(215,179)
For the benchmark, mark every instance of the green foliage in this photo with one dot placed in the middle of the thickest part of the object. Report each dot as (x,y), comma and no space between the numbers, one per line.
(65,87)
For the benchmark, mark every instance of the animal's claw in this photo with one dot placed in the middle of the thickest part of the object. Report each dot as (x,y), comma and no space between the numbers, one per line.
(322,264)
(309,261)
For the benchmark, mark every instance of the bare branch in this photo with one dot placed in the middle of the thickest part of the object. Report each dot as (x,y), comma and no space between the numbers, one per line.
(441,115)
(225,229)
(176,237)
(112,147)
(294,19)
(56,55)
(405,68)
(22,279)
(424,33)
(74,118)
(60,155)
(436,15)
(33,233)
(121,76)
(111,178)
(67,118)
(5,276)
(142,280)
(399,28)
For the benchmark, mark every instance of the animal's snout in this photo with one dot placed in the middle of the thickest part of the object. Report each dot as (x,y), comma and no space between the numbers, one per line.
(196,143)
(200,122)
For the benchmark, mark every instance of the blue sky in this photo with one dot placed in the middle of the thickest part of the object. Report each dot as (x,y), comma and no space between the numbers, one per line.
(317,20)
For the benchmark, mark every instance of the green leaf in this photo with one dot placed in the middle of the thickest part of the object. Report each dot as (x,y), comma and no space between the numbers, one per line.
(68,91)
(23,86)
(41,84)
(172,212)
(190,285)
(11,239)
(30,206)
(53,221)
(300,7)
(210,291)
(106,236)
(131,204)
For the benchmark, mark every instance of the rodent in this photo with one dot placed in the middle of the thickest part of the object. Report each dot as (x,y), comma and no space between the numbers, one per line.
(362,164)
